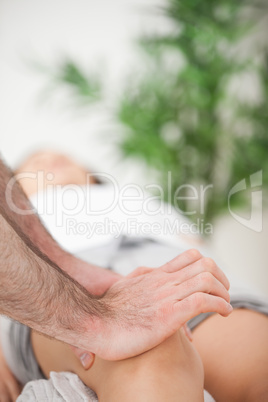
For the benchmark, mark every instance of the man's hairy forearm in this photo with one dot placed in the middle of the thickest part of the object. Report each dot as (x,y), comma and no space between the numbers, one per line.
(13,197)
(34,291)
(14,207)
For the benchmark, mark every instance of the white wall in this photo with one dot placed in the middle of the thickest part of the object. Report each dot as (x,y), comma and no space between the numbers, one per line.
(99,35)
(243,251)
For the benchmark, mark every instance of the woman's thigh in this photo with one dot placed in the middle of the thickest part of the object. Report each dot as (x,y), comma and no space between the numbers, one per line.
(234,351)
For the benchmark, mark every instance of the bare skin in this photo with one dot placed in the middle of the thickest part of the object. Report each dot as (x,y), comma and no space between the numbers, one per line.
(234,352)
(172,371)
(57,169)
(10,388)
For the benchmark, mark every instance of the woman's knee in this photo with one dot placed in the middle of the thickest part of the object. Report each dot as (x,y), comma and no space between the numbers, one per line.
(173,366)
(175,356)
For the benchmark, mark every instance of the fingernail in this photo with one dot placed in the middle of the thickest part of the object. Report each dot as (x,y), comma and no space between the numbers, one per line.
(86,360)
(229,307)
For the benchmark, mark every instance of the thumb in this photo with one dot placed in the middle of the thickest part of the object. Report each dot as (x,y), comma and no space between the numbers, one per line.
(86,358)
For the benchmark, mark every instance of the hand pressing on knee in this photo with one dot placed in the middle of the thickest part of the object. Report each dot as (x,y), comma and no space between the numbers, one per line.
(149,305)
(144,310)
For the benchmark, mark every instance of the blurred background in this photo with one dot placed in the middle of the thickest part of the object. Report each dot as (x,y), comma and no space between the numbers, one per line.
(138,89)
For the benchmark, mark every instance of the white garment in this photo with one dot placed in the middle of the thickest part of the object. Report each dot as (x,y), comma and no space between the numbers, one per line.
(61,387)
(83,217)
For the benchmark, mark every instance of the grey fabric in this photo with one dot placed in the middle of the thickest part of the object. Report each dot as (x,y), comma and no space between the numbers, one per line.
(18,351)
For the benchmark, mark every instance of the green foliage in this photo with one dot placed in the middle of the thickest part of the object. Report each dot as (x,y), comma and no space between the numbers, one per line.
(87,89)
(180,114)
(82,89)
(175,116)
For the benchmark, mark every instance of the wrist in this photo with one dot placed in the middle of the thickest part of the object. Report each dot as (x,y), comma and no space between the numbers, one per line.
(90,330)
(95,279)
(77,312)
(65,309)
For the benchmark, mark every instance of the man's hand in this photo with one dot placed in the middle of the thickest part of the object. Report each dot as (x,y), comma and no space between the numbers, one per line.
(146,270)
(87,358)
(10,389)
(146,309)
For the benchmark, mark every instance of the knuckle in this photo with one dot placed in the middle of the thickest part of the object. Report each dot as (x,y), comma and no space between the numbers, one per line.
(193,253)
(208,263)
(140,270)
(198,302)
(207,278)
(168,265)
(193,283)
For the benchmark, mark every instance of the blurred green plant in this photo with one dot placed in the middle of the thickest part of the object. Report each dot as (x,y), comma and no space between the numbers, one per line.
(187,113)
(88,89)
(83,89)
(182,117)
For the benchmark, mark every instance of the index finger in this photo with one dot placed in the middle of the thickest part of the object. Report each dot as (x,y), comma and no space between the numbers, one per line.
(182,260)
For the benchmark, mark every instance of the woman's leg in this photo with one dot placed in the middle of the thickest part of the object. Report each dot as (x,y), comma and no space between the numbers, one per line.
(234,351)
(172,371)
